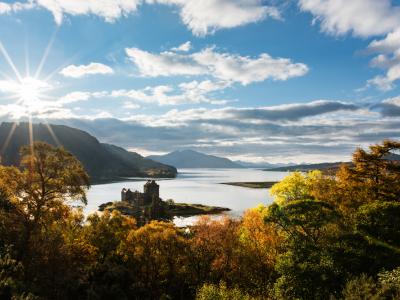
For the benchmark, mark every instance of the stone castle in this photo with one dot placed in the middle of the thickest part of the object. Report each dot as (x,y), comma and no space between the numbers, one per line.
(148,205)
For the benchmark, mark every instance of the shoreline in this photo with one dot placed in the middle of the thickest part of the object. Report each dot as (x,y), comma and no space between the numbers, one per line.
(252,185)
(172,209)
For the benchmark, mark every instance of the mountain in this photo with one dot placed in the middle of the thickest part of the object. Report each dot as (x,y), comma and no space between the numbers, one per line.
(103,162)
(309,167)
(260,165)
(194,159)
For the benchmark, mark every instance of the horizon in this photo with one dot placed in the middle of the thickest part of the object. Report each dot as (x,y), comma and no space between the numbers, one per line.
(272,81)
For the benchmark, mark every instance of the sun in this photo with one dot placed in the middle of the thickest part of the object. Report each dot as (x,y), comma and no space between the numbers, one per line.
(29,91)
(29,88)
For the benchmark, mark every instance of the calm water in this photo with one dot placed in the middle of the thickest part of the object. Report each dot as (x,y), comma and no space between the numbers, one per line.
(197,186)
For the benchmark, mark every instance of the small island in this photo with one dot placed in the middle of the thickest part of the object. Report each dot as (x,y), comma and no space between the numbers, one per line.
(252,185)
(148,206)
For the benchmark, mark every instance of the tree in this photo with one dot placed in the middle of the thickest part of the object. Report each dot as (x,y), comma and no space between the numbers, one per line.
(380,223)
(43,236)
(259,247)
(306,267)
(387,286)
(221,292)
(374,175)
(156,255)
(48,177)
(297,186)
(305,219)
(215,250)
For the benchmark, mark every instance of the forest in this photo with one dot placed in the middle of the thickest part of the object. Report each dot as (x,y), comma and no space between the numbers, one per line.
(326,236)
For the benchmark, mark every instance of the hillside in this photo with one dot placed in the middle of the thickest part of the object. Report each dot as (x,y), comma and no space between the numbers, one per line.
(308,167)
(260,165)
(323,166)
(103,162)
(194,159)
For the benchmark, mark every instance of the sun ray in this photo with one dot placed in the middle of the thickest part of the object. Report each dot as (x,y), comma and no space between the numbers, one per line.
(46,54)
(53,135)
(27,64)
(8,139)
(31,138)
(10,62)
(4,75)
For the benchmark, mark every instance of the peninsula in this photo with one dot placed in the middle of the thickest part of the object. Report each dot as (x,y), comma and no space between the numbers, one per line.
(252,185)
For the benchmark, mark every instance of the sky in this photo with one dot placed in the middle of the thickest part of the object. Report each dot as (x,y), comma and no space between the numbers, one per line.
(255,80)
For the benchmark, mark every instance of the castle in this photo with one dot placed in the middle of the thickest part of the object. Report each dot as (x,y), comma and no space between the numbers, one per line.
(148,205)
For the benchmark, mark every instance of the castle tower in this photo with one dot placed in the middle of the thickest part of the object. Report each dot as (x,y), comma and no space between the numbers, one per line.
(123,194)
(151,191)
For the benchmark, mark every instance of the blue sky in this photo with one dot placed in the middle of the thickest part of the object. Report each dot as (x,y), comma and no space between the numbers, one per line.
(272,81)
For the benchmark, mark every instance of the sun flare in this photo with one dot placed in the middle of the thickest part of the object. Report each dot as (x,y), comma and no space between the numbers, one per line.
(29,91)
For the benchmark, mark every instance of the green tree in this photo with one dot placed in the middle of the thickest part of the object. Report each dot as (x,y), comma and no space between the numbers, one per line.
(386,287)
(221,292)
(306,268)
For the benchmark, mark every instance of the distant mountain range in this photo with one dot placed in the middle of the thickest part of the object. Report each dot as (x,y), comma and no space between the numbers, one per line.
(323,166)
(308,167)
(260,165)
(103,162)
(194,159)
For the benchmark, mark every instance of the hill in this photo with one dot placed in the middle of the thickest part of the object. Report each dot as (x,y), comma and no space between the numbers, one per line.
(103,162)
(194,159)
(308,167)
(323,166)
(260,165)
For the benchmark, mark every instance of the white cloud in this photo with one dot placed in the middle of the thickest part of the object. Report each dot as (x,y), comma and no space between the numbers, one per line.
(184,93)
(364,18)
(223,66)
(191,92)
(389,44)
(360,17)
(205,86)
(393,101)
(245,69)
(164,64)
(106,9)
(84,70)
(381,82)
(78,96)
(185,47)
(75,97)
(392,64)
(201,17)
(206,16)
(6,8)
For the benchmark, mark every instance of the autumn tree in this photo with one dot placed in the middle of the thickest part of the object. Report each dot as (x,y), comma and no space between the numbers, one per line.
(260,244)
(48,177)
(34,200)
(373,175)
(300,186)
(156,255)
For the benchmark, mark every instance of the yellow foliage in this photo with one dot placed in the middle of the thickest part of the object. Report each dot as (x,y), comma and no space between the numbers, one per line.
(297,186)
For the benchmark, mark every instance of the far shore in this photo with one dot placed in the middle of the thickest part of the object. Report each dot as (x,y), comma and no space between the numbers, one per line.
(252,185)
